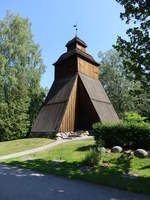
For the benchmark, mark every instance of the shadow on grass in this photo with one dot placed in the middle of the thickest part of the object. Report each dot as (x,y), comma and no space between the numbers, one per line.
(109,176)
(145,167)
(86,148)
(123,163)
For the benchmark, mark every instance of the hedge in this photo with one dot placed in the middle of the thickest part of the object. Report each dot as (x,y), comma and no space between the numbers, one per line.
(126,135)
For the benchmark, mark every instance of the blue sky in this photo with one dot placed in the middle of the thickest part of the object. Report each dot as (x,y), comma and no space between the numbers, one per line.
(52,25)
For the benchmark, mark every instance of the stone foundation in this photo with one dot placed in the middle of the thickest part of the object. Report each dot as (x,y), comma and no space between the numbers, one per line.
(69,135)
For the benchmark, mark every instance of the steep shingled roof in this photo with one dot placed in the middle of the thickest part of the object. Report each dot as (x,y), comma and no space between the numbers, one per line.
(76,40)
(51,114)
(76,52)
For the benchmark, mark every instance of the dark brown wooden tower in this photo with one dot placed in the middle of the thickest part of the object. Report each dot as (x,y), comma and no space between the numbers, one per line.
(76,99)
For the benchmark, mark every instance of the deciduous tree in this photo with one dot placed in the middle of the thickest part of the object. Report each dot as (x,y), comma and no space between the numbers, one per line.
(125,95)
(136,49)
(21,67)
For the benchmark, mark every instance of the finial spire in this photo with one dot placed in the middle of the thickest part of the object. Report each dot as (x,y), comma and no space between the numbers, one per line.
(76,29)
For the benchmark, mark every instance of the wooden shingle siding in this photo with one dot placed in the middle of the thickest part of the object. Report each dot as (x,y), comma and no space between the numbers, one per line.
(49,118)
(94,88)
(99,99)
(61,90)
(105,111)
(51,114)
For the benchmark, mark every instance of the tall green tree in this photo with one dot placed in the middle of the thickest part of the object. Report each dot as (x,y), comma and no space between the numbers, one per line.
(21,67)
(125,95)
(136,49)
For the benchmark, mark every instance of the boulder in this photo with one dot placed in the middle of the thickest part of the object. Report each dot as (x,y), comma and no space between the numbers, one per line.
(128,152)
(64,135)
(58,135)
(87,133)
(58,138)
(116,149)
(141,153)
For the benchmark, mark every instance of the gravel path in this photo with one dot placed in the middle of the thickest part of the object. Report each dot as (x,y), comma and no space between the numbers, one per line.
(23,184)
(42,148)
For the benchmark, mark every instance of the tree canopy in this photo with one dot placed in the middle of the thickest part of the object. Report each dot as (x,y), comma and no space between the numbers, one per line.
(136,49)
(21,67)
(126,95)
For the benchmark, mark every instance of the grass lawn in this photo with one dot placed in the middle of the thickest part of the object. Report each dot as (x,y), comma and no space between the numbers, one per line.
(107,172)
(21,145)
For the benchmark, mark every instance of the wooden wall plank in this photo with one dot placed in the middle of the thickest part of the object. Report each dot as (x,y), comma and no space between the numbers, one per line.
(68,121)
(88,68)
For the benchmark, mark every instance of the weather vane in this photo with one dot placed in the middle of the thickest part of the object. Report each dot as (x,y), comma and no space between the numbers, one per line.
(76,29)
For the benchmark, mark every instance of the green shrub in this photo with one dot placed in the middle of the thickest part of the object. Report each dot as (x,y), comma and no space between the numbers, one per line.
(133,117)
(126,135)
(92,158)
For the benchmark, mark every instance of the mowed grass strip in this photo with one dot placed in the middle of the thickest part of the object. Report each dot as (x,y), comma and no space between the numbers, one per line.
(22,145)
(108,172)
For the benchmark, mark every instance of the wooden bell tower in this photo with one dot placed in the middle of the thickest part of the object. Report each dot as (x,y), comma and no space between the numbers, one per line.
(76,99)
